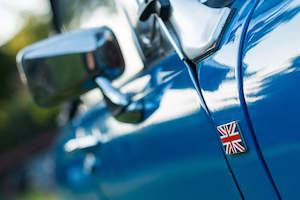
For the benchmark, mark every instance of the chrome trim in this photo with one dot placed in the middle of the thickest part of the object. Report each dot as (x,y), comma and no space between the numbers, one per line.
(167,29)
(198,27)
(193,28)
(119,104)
(114,95)
(81,143)
(152,47)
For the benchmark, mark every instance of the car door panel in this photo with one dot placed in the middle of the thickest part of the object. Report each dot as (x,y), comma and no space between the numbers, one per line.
(271,78)
(176,153)
(173,154)
(220,83)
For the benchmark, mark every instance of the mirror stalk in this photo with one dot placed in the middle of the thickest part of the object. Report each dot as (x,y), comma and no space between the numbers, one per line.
(119,104)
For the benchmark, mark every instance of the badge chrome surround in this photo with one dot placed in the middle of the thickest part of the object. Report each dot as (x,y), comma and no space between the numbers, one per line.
(231,138)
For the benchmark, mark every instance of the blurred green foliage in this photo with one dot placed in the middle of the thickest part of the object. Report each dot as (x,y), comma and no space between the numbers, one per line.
(37,195)
(20,118)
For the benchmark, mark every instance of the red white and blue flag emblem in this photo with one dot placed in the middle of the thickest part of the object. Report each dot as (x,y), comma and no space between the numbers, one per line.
(231,138)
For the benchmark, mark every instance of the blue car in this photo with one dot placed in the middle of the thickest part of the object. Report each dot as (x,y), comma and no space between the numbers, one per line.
(172,99)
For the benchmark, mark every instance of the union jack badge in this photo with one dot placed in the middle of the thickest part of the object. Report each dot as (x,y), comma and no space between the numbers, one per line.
(231,138)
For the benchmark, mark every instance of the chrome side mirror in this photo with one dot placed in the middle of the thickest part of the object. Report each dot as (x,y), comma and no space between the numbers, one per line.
(64,66)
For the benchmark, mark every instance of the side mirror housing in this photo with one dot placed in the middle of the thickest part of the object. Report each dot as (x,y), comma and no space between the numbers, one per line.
(64,66)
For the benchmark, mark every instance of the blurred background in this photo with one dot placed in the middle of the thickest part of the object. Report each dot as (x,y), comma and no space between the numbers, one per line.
(26,131)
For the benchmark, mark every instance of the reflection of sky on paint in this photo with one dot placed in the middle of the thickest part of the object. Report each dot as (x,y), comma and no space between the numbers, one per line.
(277,49)
(11,15)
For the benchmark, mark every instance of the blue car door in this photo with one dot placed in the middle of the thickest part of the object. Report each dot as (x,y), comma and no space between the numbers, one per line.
(173,154)
(221,81)
(176,151)
(270,69)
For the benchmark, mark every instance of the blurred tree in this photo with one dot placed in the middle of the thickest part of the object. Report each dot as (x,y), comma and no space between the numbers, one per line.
(37,195)
(20,118)
(34,30)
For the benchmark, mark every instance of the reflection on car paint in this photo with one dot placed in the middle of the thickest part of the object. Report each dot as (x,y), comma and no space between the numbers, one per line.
(271,78)
(220,82)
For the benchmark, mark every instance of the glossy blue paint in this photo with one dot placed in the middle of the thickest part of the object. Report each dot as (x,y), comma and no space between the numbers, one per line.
(73,182)
(173,154)
(271,78)
(220,85)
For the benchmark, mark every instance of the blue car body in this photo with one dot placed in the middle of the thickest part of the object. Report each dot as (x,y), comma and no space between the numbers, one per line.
(176,153)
